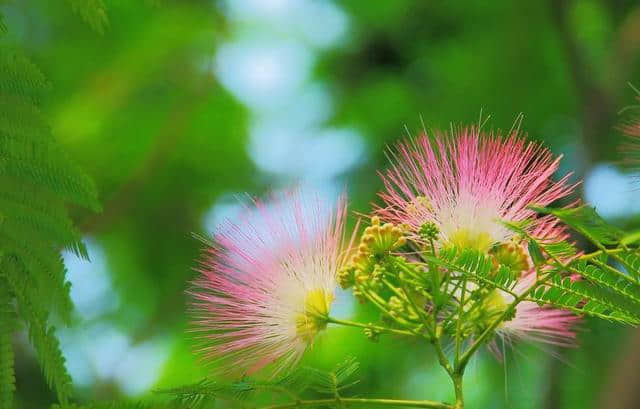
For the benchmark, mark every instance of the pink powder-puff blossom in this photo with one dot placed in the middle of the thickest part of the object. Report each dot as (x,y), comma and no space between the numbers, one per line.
(465,185)
(533,322)
(267,282)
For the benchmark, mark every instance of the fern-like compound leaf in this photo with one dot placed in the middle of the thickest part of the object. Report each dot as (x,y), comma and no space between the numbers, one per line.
(583,297)
(287,388)
(585,220)
(42,336)
(21,76)
(335,381)
(476,266)
(7,326)
(207,391)
(606,276)
(38,181)
(125,405)
(23,208)
(630,260)
(93,12)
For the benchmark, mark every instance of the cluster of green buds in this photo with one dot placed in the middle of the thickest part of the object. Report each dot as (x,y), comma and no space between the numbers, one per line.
(396,306)
(381,239)
(375,273)
(372,333)
(429,231)
(377,242)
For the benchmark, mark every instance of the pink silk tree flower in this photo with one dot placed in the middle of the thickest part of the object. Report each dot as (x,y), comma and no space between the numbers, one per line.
(532,322)
(267,282)
(465,184)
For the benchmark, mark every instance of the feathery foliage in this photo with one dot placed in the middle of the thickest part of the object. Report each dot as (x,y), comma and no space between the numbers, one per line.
(336,380)
(93,12)
(609,277)
(476,266)
(587,285)
(583,297)
(7,326)
(42,336)
(289,387)
(586,221)
(208,391)
(123,405)
(39,180)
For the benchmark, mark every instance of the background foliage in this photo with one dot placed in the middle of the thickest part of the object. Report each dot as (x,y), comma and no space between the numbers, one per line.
(172,107)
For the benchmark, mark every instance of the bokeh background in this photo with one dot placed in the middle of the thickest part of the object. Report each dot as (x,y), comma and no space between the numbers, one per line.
(179,106)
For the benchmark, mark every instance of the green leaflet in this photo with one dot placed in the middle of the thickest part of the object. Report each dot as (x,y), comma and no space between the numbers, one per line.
(630,259)
(561,250)
(586,221)
(535,253)
(630,238)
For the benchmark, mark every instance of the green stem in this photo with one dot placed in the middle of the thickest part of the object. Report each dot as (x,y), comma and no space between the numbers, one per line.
(598,252)
(603,250)
(607,267)
(373,327)
(411,315)
(407,270)
(442,358)
(380,305)
(459,323)
(457,386)
(365,401)
(435,277)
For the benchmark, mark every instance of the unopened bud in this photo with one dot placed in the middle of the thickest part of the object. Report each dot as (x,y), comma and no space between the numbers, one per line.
(400,242)
(372,334)
(429,231)
(346,277)
(395,304)
(357,293)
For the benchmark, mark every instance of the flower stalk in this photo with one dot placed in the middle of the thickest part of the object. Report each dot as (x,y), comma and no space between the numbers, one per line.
(378,328)
(366,402)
